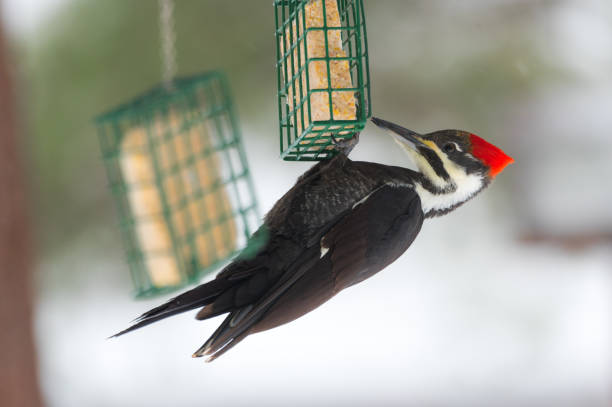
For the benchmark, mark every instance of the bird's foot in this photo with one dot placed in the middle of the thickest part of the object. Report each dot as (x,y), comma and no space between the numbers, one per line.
(345,146)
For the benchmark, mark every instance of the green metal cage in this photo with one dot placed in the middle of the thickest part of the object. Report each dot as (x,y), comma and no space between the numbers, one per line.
(178,173)
(323,75)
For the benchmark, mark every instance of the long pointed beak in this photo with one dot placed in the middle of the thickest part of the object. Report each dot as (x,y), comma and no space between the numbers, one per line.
(408,135)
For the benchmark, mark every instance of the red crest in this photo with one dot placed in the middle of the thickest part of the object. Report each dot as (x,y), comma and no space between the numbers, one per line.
(490,155)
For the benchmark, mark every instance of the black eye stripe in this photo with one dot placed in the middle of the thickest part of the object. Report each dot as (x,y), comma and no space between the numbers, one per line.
(435,163)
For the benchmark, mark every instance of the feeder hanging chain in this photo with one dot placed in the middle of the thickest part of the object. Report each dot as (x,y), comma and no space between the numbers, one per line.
(168,40)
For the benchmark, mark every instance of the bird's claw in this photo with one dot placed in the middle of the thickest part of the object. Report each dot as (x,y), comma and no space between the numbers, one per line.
(343,145)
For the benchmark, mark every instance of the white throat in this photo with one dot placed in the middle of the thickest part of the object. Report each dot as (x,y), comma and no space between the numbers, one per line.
(464,188)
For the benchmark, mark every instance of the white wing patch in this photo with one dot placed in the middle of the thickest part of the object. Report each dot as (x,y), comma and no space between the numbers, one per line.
(362,200)
(324,251)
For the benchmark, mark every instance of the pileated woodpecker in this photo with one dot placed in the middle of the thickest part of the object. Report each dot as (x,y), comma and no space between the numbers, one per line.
(342,222)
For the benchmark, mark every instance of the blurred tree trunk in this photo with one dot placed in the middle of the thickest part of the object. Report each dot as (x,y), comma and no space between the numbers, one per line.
(18,375)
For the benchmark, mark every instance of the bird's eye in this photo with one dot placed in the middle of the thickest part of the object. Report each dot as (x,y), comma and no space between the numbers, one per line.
(449,147)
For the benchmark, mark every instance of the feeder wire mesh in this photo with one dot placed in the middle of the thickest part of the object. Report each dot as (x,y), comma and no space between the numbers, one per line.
(322,74)
(179,175)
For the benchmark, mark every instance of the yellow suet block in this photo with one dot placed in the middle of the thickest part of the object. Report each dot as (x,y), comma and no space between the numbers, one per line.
(344,105)
(190,186)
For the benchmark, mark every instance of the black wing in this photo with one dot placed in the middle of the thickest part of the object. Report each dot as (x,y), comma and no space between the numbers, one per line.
(364,241)
(320,197)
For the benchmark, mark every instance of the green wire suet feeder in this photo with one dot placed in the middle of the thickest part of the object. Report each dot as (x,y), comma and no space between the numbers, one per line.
(323,75)
(179,175)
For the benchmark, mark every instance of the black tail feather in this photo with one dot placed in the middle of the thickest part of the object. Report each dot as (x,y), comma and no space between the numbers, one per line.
(229,345)
(220,329)
(239,323)
(198,297)
(211,348)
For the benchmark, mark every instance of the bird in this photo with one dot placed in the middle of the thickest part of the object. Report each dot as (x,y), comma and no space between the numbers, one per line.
(342,222)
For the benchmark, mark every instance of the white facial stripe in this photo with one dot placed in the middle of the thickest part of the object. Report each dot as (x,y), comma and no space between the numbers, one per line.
(466,187)
(460,187)
(421,163)
(456,172)
(428,171)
